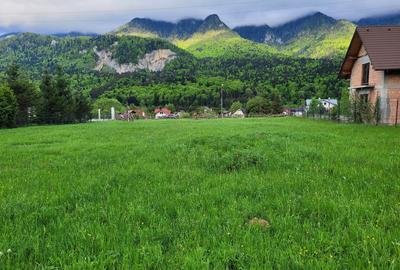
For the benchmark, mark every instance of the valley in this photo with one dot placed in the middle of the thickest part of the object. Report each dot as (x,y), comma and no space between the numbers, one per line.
(149,63)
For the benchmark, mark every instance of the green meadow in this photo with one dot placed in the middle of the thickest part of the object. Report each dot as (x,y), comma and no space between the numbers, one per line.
(181,195)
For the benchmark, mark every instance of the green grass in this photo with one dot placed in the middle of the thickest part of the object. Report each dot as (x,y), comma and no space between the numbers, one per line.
(179,195)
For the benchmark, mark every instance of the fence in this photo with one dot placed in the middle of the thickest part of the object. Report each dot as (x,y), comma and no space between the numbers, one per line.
(384,111)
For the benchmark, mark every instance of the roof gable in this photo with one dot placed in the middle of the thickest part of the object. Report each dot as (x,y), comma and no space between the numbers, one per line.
(382,44)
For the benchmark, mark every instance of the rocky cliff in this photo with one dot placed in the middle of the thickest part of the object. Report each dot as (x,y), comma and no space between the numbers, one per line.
(154,61)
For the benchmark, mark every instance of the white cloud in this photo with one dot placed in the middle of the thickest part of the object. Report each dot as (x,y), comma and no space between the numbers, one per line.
(105,15)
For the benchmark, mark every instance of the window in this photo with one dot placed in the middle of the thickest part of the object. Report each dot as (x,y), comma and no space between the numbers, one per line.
(365,74)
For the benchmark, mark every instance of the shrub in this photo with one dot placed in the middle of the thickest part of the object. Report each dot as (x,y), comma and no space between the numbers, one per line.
(184,115)
(8,107)
(105,104)
(258,105)
(345,103)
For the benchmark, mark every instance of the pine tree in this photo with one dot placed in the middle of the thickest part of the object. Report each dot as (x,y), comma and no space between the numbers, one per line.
(8,107)
(25,94)
(47,112)
(82,107)
(65,103)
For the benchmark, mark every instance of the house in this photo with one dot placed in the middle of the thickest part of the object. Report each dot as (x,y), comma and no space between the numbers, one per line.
(162,113)
(299,112)
(328,104)
(372,64)
(238,114)
(140,114)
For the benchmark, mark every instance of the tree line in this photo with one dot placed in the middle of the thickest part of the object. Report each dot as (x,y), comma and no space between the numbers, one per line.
(22,102)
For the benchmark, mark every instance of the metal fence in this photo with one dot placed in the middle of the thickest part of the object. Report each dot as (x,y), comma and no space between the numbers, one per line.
(384,111)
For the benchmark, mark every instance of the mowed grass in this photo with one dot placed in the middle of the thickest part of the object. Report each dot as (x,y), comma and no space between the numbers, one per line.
(180,194)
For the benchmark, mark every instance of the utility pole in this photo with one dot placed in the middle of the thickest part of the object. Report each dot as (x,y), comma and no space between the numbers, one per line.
(222,101)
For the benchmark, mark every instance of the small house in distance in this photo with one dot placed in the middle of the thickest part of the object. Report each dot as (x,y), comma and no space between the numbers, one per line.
(162,113)
(372,64)
(328,104)
(238,114)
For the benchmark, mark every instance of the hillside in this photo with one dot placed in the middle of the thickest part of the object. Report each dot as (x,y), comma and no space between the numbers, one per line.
(315,36)
(79,54)
(222,43)
(332,42)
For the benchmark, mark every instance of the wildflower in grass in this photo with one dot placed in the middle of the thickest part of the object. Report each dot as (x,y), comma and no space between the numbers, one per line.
(1,253)
(9,250)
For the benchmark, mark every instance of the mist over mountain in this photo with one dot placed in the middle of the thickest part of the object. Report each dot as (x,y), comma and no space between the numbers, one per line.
(390,19)
(182,29)
(306,26)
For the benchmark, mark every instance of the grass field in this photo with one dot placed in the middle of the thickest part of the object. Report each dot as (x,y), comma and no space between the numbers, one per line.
(180,194)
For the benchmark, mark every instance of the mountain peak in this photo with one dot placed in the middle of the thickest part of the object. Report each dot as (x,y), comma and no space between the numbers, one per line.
(212,22)
(183,29)
(317,17)
(314,22)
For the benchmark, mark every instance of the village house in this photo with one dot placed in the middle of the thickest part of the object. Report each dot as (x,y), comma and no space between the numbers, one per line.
(162,113)
(298,112)
(328,104)
(372,64)
(139,114)
(238,114)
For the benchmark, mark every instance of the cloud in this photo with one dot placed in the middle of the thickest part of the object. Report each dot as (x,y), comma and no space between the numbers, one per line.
(104,15)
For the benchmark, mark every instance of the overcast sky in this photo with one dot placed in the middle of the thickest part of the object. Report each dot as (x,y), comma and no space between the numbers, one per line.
(50,16)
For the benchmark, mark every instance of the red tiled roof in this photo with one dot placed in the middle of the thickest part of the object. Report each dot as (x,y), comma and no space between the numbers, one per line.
(163,110)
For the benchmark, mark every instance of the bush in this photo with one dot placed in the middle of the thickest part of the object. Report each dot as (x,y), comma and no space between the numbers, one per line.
(8,107)
(258,105)
(184,115)
(105,104)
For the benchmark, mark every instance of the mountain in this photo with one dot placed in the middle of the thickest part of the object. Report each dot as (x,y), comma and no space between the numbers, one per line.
(75,34)
(212,23)
(308,25)
(186,28)
(8,35)
(331,42)
(203,38)
(316,35)
(261,34)
(390,19)
(144,27)
(183,29)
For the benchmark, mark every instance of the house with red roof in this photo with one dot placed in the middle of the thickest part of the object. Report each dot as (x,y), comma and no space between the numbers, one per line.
(162,113)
